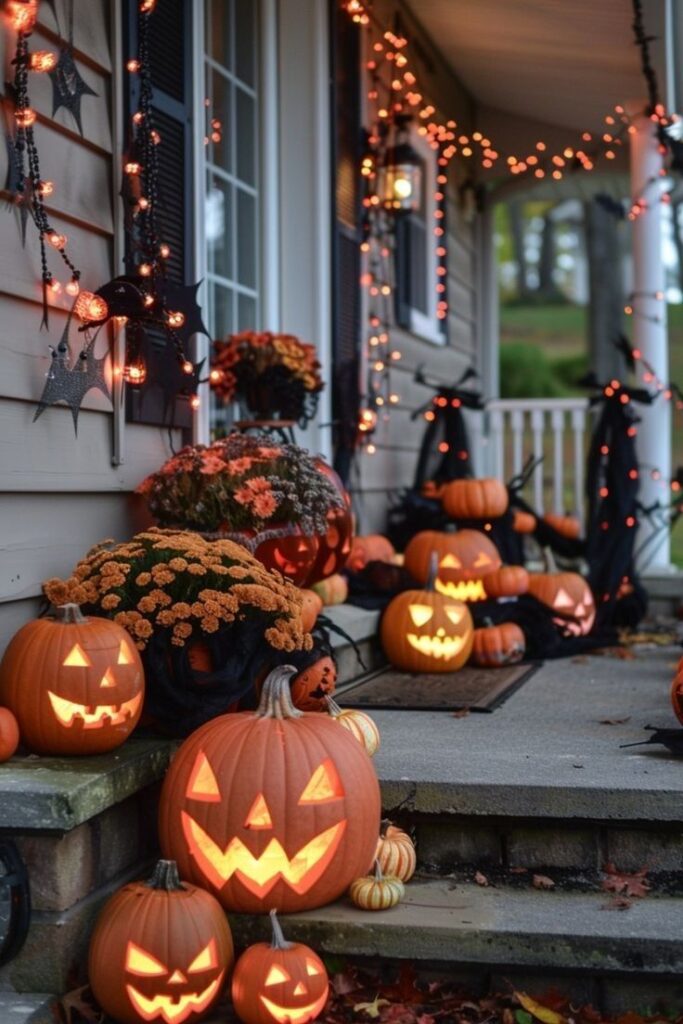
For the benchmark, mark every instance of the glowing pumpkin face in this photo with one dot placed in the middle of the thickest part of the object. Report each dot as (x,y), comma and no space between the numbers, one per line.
(160,951)
(334,546)
(422,631)
(292,555)
(464,559)
(569,595)
(273,809)
(279,983)
(75,684)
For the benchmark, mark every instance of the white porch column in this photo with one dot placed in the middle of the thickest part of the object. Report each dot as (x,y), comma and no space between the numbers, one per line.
(653,441)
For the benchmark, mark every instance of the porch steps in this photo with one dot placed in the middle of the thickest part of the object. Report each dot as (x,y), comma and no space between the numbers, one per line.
(30,1008)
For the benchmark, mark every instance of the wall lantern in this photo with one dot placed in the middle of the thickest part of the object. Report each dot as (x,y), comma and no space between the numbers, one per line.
(15,901)
(400,177)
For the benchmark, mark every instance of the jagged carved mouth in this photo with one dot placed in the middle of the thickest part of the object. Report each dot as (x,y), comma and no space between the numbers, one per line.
(464,590)
(174,1010)
(437,646)
(93,716)
(259,874)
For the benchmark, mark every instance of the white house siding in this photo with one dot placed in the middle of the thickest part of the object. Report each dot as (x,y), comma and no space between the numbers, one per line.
(59,494)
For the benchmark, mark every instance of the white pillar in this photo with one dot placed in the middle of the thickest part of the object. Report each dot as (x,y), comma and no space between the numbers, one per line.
(653,441)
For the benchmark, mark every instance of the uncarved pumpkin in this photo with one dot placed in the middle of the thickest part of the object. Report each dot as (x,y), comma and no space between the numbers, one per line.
(396,853)
(276,808)
(372,548)
(359,725)
(498,645)
(313,684)
(333,590)
(377,891)
(508,581)
(279,982)
(566,526)
(9,734)
(310,609)
(523,522)
(75,684)
(160,951)
(486,498)
(424,631)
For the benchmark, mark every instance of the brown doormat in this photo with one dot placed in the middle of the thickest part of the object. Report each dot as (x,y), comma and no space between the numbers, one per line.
(478,689)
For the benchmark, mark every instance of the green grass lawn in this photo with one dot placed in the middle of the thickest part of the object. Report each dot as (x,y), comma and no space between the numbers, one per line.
(544,351)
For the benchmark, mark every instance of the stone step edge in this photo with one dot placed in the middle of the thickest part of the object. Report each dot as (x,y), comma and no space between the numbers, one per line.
(27,1008)
(495,928)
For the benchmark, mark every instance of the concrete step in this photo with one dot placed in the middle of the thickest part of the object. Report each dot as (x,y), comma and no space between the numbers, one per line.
(35,1008)
(523,935)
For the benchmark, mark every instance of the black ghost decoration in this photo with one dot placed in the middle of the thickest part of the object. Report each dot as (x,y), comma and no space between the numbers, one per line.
(68,86)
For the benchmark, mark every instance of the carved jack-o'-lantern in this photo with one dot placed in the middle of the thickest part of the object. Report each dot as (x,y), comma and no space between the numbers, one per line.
(335,545)
(160,951)
(279,982)
(292,555)
(568,594)
(464,559)
(424,631)
(273,809)
(75,684)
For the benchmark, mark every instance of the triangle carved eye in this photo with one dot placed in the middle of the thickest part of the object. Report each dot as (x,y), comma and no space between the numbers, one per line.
(420,613)
(139,961)
(323,786)
(562,599)
(203,784)
(205,960)
(276,975)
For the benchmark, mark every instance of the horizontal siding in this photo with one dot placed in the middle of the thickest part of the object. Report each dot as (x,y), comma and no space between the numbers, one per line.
(59,494)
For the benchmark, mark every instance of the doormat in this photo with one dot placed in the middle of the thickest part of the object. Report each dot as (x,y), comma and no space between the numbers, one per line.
(477,689)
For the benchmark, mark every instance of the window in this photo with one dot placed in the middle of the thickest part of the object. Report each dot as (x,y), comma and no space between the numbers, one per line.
(416,257)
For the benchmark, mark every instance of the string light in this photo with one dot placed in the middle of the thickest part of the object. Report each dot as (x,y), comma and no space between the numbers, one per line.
(43,61)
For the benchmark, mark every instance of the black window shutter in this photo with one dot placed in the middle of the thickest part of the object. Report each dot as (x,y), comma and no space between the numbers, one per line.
(170,31)
(346,149)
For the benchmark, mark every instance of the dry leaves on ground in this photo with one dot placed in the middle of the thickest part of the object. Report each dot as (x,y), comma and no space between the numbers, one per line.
(542,882)
(614,721)
(634,885)
(481,879)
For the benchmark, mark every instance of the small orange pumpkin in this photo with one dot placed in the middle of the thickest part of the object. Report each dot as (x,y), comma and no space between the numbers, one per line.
(160,951)
(75,684)
(9,734)
(372,548)
(425,631)
(498,645)
(508,581)
(377,891)
(310,609)
(523,522)
(566,526)
(279,982)
(333,590)
(486,498)
(396,852)
(312,685)
(359,725)
(677,693)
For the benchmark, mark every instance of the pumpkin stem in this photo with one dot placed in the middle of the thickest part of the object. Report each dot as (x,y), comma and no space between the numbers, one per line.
(70,613)
(279,941)
(550,563)
(332,707)
(165,876)
(433,571)
(276,696)
(378,872)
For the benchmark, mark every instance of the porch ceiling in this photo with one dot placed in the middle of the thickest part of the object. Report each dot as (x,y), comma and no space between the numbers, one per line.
(565,64)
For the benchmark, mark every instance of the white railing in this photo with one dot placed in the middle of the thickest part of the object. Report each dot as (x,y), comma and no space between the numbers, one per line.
(551,428)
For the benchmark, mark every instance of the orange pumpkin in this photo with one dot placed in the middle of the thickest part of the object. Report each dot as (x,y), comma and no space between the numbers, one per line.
(75,684)
(523,522)
(567,526)
(508,581)
(9,734)
(486,498)
(569,594)
(160,951)
(276,808)
(293,554)
(333,590)
(677,692)
(334,545)
(464,560)
(424,631)
(311,609)
(396,853)
(312,685)
(498,645)
(279,982)
(373,548)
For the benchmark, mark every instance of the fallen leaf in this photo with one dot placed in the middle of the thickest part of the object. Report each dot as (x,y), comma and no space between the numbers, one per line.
(542,882)
(371,1009)
(481,879)
(537,1010)
(618,903)
(614,721)
(635,885)
(462,713)
(405,990)
(342,983)
(79,1007)
(519,871)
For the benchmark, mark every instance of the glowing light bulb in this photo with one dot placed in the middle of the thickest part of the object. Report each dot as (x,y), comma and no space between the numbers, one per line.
(73,287)
(133,167)
(56,240)
(216,376)
(21,16)
(145,269)
(45,188)
(90,307)
(132,65)
(42,61)
(25,117)
(134,373)
(195,401)
(176,319)
(55,286)
(138,117)
(188,367)
(164,251)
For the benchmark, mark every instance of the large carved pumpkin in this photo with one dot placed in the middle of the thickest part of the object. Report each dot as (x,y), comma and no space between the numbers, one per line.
(276,808)
(486,498)
(292,554)
(568,594)
(464,559)
(424,631)
(335,545)
(160,951)
(279,982)
(75,684)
